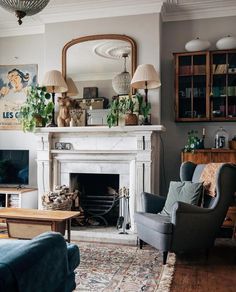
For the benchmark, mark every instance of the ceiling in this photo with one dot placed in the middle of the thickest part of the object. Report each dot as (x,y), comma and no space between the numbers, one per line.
(72,10)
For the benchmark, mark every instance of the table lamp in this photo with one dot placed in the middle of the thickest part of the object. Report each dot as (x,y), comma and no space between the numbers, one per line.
(145,77)
(54,83)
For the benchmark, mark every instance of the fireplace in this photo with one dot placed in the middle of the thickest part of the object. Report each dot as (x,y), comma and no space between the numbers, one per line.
(98,197)
(130,153)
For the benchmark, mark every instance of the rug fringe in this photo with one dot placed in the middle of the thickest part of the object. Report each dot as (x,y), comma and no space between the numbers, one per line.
(166,276)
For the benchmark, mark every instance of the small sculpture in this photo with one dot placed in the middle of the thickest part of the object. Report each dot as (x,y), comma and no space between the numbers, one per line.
(63,119)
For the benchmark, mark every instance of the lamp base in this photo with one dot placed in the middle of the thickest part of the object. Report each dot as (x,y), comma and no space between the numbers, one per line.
(52,124)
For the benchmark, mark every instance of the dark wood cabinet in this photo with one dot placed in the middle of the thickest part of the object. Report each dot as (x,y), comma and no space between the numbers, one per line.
(205,86)
(210,155)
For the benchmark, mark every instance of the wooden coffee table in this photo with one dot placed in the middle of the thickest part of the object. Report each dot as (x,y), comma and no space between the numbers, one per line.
(28,223)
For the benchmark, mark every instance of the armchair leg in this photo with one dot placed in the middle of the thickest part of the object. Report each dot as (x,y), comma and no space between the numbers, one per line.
(140,243)
(165,254)
(207,253)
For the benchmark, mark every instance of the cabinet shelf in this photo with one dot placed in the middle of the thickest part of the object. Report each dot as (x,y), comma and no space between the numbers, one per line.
(18,198)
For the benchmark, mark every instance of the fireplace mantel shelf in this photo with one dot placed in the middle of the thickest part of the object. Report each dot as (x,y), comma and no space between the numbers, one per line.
(101,129)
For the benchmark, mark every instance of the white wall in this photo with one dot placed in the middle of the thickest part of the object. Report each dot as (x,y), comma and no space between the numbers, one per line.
(17,51)
(45,50)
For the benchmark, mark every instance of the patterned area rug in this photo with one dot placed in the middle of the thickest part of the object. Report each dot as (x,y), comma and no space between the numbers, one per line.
(119,268)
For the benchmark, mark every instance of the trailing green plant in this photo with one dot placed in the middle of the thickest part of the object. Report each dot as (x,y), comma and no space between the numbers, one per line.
(37,109)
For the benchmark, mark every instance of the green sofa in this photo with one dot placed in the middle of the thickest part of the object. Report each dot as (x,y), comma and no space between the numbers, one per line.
(44,264)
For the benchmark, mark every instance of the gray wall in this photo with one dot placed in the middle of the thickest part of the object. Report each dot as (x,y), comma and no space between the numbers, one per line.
(174,37)
(46,49)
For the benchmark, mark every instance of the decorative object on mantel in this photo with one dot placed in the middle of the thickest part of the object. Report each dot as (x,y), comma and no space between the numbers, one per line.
(226,43)
(37,110)
(197,45)
(122,106)
(23,8)
(55,83)
(60,199)
(146,77)
(63,118)
(63,146)
(121,82)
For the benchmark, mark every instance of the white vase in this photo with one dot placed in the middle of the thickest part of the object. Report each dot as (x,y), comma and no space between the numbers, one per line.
(226,43)
(197,45)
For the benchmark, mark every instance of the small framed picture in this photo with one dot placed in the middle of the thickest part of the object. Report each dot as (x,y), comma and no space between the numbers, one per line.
(63,146)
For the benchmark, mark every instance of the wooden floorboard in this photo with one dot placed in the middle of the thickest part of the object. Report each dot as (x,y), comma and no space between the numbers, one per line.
(217,273)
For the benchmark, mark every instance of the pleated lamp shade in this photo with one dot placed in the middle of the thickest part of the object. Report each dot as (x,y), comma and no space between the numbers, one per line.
(145,76)
(72,89)
(54,82)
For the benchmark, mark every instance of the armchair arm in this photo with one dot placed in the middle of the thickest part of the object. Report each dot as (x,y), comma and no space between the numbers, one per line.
(152,203)
(194,227)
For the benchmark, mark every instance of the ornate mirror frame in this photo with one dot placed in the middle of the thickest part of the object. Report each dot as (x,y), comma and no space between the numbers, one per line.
(100,37)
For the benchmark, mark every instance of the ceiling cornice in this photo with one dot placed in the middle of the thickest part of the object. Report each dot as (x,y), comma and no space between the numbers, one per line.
(73,10)
(177,10)
(79,10)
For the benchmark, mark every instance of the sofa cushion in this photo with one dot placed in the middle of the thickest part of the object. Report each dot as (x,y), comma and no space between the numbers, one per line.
(185,191)
(156,222)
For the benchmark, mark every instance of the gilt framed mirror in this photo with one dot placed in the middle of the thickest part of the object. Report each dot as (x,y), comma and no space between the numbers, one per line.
(94,61)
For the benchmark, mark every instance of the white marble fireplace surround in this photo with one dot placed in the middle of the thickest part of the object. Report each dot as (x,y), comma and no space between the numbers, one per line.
(132,152)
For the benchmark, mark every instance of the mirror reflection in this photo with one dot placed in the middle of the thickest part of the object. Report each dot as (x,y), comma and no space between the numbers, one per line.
(102,62)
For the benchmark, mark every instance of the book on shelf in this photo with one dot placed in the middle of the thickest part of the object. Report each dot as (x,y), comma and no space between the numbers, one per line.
(199,69)
(185,70)
(219,68)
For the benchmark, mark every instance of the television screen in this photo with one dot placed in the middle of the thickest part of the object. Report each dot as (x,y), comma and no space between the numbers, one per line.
(14,167)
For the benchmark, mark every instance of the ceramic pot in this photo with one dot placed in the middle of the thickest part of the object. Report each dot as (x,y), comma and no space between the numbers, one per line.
(197,45)
(131,119)
(39,121)
(226,43)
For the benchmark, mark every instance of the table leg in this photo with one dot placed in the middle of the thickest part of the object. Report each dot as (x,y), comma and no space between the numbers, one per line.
(68,229)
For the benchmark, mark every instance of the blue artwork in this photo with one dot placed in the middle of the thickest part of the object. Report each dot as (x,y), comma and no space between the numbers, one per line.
(14,80)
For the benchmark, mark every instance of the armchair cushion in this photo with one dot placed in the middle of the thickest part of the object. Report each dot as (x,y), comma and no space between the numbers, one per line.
(156,222)
(186,191)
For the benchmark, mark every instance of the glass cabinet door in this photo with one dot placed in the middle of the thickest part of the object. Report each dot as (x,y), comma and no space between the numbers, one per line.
(231,89)
(192,86)
(223,85)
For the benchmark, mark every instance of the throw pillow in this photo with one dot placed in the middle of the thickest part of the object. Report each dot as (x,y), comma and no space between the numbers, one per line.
(186,191)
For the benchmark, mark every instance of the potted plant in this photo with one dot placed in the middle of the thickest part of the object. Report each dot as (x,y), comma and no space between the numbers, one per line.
(122,107)
(144,110)
(37,109)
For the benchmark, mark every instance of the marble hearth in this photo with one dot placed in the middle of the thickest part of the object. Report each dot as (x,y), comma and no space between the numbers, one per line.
(132,152)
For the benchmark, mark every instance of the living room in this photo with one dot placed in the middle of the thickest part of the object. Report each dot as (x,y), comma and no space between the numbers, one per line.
(159,29)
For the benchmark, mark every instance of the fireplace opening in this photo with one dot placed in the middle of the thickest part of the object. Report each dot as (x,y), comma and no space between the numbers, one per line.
(98,198)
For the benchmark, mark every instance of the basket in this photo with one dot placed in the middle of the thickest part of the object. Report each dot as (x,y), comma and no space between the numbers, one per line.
(64,206)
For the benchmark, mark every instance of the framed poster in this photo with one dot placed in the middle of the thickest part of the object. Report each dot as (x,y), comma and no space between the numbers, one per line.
(14,80)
